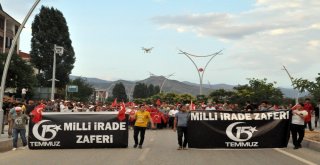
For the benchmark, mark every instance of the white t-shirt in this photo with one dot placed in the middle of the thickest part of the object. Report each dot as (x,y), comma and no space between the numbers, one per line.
(296,119)
(24,91)
(210,108)
(172,112)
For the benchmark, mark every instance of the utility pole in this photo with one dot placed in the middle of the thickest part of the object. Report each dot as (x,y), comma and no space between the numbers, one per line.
(56,50)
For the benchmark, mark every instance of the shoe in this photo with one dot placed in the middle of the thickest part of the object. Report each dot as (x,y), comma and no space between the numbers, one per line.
(24,147)
(296,147)
(13,149)
(179,148)
(299,146)
(311,129)
(135,146)
(184,148)
(140,147)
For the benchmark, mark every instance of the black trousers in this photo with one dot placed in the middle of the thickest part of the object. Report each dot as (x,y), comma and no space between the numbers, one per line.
(182,132)
(309,125)
(136,132)
(171,120)
(297,130)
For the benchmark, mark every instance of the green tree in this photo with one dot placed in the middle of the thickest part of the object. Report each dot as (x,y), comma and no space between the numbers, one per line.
(20,74)
(119,92)
(258,90)
(156,89)
(140,91)
(49,27)
(305,85)
(85,90)
(171,98)
(185,98)
(151,91)
(221,95)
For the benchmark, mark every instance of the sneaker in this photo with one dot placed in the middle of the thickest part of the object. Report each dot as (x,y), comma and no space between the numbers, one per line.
(179,148)
(13,149)
(184,148)
(24,147)
(140,146)
(135,146)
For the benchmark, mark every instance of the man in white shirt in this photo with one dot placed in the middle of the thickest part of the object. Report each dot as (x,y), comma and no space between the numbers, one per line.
(172,112)
(297,124)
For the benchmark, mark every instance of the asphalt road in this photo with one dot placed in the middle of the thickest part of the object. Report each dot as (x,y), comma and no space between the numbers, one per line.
(160,149)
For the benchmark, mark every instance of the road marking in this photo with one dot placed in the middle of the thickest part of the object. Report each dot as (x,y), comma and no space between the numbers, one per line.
(144,154)
(295,156)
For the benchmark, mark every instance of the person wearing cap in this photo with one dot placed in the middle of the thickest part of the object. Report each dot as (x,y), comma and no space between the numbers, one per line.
(141,122)
(12,113)
(19,127)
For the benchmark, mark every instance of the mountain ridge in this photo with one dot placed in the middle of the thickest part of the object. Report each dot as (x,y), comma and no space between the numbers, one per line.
(169,85)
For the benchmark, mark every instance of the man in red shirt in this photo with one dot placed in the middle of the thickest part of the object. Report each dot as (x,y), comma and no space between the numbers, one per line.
(308,107)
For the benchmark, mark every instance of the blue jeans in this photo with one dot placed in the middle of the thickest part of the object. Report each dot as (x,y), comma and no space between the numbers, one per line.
(22,135)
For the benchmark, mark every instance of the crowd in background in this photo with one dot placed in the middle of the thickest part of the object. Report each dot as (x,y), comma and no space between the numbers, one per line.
(163,113)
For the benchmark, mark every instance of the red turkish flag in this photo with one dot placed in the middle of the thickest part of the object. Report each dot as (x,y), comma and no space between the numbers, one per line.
(192,106)
(158,102)
(122,112)
(114,104)
(37,113)
(163,117)
(156,117)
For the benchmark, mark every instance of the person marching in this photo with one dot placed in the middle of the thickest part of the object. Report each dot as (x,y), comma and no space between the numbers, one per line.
(19,122)
(180,125)
(297,124)
(141,122)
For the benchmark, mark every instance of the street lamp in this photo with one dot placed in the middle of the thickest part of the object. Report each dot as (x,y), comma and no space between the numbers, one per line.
(291,79)
(56,50)
(6,66)
(200,71)
(165,79)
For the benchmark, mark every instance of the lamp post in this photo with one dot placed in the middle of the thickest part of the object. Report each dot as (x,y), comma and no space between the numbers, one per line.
(200,71)
(56,50)
(165,79)
(6,66)
(292,84)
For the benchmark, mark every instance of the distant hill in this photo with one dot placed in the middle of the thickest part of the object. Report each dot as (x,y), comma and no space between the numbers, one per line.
(171,86)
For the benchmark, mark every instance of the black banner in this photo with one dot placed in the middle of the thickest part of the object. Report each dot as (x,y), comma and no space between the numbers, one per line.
(218,129)
(78,130)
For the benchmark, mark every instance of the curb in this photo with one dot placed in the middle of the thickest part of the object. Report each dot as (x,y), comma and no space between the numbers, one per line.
(7,145)
(314,145)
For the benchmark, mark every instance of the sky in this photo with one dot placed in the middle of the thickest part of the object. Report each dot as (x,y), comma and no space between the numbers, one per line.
(257,38)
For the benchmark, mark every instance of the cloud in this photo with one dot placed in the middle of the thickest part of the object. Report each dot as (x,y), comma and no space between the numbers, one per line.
(272,33)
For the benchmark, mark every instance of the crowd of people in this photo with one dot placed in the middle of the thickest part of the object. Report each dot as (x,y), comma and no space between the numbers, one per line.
(161,116)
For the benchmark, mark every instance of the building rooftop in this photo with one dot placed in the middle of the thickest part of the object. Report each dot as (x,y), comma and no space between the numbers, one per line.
(3,12)
(24,56)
